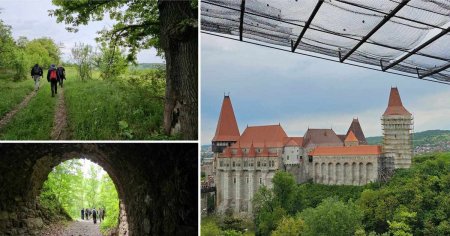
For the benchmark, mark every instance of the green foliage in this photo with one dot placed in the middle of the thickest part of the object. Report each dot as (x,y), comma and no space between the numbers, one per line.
(68,189)
(289,226)
(111,61)
(7,45)
(84,59)
(415,201)
(109,200)
(136,22)
(332,217)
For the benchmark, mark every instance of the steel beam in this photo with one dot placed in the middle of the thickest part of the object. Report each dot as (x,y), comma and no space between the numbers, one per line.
(374,30)
(313,14)
(420,47)
(241,21)
(435,71)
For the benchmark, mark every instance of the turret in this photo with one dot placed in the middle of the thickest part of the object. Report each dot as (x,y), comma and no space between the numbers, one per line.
(397,123)
(227,131)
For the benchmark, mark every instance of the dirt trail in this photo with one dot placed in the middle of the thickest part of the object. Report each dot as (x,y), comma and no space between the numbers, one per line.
(7,118)
(60,131)
(75,228)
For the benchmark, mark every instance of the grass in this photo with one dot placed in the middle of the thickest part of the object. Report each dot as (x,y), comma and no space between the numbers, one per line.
(111,110)
(12,92)
(35,121)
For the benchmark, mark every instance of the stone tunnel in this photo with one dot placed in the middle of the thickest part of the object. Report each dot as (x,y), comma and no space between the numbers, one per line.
(156,183)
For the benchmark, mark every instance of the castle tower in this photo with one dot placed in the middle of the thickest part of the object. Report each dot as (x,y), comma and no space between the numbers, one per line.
(227,131)
(397,125)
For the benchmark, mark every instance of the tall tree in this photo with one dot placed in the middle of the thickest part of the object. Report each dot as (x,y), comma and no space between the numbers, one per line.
(170,27)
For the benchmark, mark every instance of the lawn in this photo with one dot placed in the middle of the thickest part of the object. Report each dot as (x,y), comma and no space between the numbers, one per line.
(12,92)
(35,121)
(111,110)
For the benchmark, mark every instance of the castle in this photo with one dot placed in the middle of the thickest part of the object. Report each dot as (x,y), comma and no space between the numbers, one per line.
(244,162)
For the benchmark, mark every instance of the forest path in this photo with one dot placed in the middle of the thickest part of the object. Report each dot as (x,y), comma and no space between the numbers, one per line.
(5,119)
(76,228)
(60,129)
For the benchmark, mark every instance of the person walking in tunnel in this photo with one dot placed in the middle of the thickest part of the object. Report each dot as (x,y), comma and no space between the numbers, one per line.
(82,213)
(100,214)
(94,215)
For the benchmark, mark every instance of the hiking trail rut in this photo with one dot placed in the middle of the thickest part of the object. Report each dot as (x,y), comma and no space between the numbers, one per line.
(7,118)
(75,228)
(60,129)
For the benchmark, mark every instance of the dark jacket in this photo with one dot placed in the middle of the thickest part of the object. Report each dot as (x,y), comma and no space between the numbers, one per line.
(48,74)
(61,72)
(40,71)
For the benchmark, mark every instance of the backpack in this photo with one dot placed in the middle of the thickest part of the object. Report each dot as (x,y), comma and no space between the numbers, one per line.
(36,70)
(53,75)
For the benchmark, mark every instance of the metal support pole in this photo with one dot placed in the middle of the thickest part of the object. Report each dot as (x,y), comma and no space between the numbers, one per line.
(241,23)
(374,30)
(313,14)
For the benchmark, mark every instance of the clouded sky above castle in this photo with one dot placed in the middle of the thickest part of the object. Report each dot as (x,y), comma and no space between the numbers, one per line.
(268,86)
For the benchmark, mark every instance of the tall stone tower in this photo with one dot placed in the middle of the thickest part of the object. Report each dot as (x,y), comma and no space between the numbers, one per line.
(397,124)
(227,133)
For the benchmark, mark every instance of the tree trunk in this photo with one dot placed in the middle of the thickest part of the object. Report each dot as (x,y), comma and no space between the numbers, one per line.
(179,40)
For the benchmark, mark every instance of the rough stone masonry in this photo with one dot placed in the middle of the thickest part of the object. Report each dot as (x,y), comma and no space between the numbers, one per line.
(156,183)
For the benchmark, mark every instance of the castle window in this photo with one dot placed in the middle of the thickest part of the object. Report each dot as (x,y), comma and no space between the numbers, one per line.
(310,158)
(260,180)
(258,164)
(288,158)
(233,164)
(221,163)
(234,180)
(247,180)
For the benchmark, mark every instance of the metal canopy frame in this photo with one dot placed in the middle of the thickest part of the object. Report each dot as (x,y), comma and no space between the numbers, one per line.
(418,48)
(404,69)
(374,30)
(313,14)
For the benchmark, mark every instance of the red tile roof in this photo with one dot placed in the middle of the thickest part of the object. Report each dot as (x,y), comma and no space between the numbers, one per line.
(355,127)
(351,137)
(395,106)
(270,135)
(227,128)
(347,151)
(293,141)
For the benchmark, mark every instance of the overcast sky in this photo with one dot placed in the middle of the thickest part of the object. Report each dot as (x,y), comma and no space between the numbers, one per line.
(268,86)
(30,18)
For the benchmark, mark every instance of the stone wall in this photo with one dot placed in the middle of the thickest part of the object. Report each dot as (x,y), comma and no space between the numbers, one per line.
(156,183)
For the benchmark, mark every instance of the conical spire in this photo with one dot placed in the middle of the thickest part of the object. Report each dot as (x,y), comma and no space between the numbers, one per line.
(355,127)
(395,106)
(239,152)
(265,151)
(227,128)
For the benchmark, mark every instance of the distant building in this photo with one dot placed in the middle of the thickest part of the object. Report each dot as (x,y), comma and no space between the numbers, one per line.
(244,162)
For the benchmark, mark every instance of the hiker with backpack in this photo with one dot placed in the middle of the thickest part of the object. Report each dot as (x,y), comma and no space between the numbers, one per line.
(53,78)
(94,215)
(36,73)
(62,75)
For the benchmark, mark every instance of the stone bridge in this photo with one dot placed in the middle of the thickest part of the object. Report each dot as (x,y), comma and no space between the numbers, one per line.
(156,183)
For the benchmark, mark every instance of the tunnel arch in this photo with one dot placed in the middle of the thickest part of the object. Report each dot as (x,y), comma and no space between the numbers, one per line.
(156,184)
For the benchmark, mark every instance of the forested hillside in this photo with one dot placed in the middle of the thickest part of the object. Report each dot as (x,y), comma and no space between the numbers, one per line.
(414,202)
